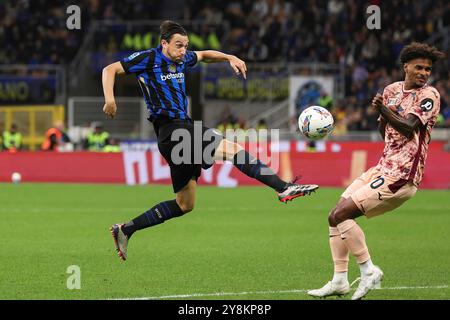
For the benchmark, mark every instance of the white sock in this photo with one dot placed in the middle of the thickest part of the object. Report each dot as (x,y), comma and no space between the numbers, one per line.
(366,268)
(340,277)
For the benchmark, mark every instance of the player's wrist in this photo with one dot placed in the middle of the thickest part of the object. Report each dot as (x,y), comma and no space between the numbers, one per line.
(110,100)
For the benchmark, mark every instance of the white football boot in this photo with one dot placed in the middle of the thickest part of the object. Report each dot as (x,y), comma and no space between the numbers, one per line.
(331,289)
(368,283)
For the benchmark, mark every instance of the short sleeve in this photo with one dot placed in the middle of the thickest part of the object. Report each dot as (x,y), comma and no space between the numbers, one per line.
(136,62)
(190,58)
(426,106)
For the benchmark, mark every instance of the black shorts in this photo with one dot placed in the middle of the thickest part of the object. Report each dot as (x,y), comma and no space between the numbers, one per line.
(186,163)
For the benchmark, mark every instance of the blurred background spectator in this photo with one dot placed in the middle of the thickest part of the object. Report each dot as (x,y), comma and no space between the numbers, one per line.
(98,139)
(12,139)
(56,139)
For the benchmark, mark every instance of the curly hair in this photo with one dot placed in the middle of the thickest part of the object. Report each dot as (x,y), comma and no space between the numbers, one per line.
(417,50)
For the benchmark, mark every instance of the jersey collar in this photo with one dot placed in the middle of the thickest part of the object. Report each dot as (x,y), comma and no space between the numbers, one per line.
(412,90)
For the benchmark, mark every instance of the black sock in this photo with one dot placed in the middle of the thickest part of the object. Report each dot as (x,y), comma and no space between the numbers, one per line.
(252,167)
(158,214)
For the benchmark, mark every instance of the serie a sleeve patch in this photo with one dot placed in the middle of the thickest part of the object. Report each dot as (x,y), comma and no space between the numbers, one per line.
(426,104)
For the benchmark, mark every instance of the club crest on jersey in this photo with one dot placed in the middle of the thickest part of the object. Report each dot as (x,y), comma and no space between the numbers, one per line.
(172,68)
(426,104)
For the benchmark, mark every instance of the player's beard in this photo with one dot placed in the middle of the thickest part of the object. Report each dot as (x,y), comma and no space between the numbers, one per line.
(179,59)
(176,58)
(421,81)
(417,82)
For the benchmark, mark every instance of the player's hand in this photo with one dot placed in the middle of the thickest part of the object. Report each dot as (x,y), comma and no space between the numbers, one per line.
(110,109)
(377,102)
(238,66)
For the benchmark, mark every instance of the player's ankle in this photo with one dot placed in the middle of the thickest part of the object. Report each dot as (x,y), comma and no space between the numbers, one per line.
(128,229)
(287,185)
(340,277)
(366,268)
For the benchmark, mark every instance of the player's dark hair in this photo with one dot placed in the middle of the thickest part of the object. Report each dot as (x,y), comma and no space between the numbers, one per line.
(169,28)
(417,50)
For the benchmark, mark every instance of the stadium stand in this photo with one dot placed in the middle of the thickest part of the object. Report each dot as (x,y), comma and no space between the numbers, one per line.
(334,32)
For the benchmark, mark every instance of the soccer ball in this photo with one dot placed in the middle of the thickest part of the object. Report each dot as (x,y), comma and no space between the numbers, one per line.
(16,177)
(315,123)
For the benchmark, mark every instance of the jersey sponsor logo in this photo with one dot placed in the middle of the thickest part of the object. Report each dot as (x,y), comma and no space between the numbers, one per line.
(426,104)
(179,76)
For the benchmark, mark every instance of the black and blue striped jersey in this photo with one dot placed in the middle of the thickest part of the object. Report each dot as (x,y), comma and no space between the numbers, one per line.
(162,81)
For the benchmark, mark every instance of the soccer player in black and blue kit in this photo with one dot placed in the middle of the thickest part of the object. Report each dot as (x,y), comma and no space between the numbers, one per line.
(161,75)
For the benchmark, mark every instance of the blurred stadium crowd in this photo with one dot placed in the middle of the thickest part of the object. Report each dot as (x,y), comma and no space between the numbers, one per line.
(335,32)
(34,32)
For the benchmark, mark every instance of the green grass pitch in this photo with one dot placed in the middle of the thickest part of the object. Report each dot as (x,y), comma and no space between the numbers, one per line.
(238,243)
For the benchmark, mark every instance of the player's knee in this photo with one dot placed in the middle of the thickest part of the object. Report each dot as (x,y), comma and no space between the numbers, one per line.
(186,206)
(339,215)
(229,149)
(331,218)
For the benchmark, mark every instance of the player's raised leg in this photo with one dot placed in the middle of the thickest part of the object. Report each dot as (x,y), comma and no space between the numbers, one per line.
(161,212)
(255,169)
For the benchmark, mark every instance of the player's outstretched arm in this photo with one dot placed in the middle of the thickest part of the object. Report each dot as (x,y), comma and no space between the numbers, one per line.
(108,78)
(405,127)
(237,64)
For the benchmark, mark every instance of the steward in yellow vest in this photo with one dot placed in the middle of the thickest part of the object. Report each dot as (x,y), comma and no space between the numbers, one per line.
(12,139)
(97,140)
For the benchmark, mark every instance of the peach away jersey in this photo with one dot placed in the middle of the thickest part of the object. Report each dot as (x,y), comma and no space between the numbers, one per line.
(404,159)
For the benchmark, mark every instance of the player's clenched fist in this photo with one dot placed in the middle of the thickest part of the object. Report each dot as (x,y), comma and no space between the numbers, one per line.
(377,101)
(110,109)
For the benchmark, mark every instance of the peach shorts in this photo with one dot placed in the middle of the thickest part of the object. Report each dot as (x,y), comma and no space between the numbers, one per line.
(375,194)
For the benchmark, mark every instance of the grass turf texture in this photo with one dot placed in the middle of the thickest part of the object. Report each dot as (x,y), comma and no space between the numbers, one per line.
(236,240)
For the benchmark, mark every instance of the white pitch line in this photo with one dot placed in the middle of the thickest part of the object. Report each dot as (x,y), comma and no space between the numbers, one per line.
(419,287)
(219,294)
